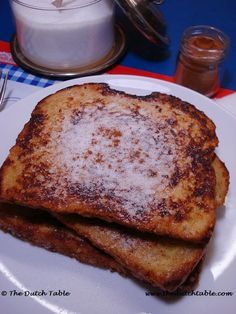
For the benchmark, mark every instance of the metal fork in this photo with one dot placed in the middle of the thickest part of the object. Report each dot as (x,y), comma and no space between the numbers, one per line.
(3,90)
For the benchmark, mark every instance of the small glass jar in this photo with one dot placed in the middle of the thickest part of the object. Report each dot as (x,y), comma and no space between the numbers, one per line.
(74,34)
(199,65)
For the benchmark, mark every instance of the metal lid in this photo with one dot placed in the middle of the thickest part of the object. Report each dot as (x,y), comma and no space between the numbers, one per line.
(147,18)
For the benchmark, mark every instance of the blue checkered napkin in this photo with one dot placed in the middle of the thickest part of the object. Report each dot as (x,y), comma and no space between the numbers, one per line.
(19,75)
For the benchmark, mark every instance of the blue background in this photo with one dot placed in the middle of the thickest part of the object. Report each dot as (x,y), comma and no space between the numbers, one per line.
(178,14)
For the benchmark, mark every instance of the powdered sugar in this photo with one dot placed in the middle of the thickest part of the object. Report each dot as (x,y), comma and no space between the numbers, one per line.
(115,153)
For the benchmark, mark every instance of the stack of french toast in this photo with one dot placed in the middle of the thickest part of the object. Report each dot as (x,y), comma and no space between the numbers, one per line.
(124,182)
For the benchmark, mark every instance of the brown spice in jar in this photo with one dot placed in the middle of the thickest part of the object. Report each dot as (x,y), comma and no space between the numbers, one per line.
(199,62)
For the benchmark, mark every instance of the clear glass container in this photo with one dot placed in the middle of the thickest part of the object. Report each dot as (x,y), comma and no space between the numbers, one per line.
(77,33)
(200,61)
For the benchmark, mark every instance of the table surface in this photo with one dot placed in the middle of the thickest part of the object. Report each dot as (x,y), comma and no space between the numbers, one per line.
(178,16)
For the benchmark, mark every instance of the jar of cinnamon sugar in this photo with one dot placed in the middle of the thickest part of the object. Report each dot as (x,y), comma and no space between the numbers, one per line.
(199,65)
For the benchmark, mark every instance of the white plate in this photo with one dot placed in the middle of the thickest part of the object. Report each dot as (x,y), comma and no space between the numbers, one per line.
(93,291)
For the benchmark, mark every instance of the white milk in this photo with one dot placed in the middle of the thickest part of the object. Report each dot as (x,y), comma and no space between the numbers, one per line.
(60,39)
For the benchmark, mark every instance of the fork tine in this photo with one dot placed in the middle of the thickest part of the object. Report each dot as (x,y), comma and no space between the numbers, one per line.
(3,90)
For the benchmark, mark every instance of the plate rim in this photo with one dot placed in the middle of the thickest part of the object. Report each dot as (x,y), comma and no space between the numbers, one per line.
(40,94)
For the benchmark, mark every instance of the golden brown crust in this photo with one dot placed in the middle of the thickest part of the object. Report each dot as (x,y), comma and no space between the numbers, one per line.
(141,161)
(161,262)
(40,229)
(222,180)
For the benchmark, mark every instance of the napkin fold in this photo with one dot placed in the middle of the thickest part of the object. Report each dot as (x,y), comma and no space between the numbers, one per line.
(16,91)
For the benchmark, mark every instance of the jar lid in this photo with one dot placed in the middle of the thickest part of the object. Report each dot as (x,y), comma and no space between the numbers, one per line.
(147,18)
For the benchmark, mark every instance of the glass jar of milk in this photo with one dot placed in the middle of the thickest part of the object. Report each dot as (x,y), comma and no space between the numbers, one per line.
(64,34)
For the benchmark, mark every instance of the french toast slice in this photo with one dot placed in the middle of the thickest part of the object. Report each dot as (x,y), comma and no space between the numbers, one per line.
(141,161)
(163,262)
(41,229)
(222,181)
